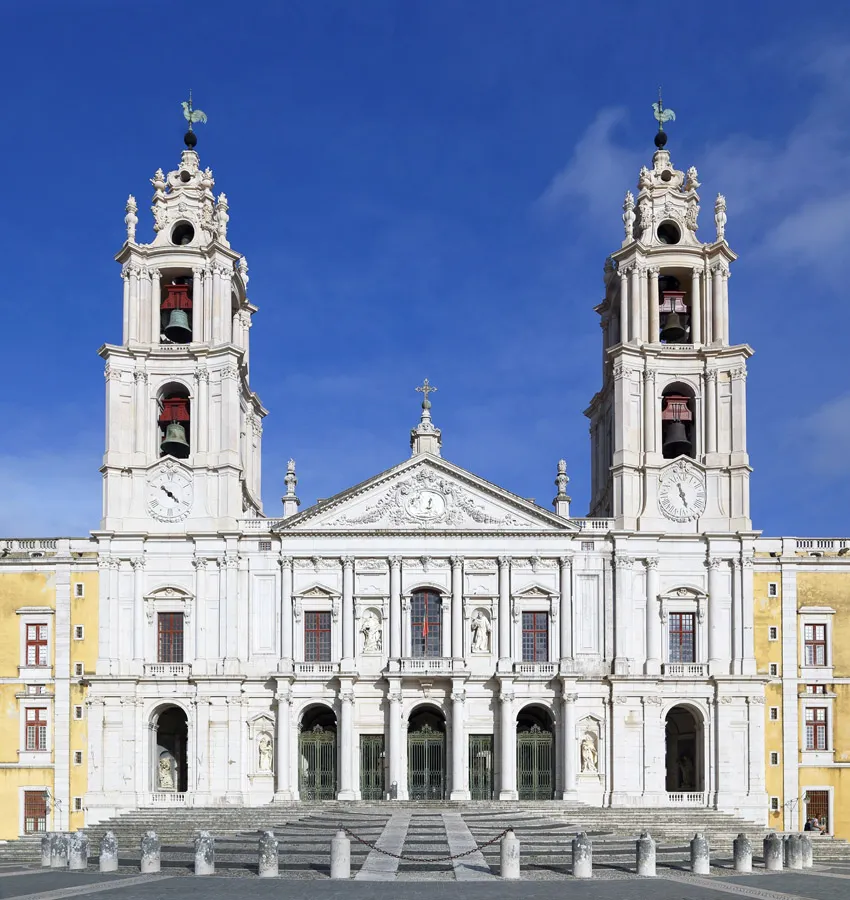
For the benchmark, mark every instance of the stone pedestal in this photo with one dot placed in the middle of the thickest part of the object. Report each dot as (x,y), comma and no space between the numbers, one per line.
(793,852)
(509,856)
(46,849)
(150,858)
(742,854)
(582,856)
(806,851)
(645,853)
(78,852)
(340,856)
(204,853)
(772,850)
(700,855)
(267,864)
(59,850)
(108,853)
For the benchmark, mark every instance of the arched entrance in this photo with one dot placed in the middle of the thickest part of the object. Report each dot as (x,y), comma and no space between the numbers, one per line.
(317,754)
(535,754)
(684,751)
(170,764)
(426,754)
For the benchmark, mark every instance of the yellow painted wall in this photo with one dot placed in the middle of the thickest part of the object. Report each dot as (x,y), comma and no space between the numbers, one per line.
(20,589)
(830,589)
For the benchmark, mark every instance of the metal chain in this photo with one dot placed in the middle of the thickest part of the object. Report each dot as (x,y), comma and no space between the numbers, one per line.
(429,859)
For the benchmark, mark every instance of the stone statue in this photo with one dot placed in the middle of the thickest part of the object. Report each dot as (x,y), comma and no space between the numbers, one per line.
(264,748)
(645,210)
(370,628)
(691,180)
(629,215)
(644,180)
(589,756)
(166,772)
(686,772)
(720,216)
(480,633)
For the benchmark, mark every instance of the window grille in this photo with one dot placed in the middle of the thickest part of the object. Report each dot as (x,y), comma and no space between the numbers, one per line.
(816,721)
(682,627)
(35,812)
(36,727)
(535,637)
(170,637)
(36,645)
(317,636)
(814,638)
(425,621)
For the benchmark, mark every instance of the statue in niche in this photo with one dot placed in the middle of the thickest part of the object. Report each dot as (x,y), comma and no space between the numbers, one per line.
(370,628)
(589,756)
(166,772)
(480,633)
(264,750)
(686,773)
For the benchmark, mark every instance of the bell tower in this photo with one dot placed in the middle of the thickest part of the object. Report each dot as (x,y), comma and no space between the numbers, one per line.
(183,428)
(668,427)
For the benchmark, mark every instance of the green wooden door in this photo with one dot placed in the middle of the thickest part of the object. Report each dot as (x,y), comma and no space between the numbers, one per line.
(481,766)
(317,764)
(426,777)
(535,764)
(372,766)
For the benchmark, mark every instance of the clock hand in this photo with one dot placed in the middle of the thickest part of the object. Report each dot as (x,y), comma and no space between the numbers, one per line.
(162,487)
(682,494)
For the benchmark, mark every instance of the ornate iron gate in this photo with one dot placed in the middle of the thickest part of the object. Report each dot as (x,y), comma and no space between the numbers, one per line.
(426,764)
(481,766)
(317,764)
(534,764)
(372,766)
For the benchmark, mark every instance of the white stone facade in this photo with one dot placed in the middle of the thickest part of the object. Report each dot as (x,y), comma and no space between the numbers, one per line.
(187,536)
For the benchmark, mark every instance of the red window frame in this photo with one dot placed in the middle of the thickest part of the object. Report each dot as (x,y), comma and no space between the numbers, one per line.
(36,644)
(535,637)
(317,636)
(816,721)
(36,728)
(426,612)
(170,637)
(35,812)
(814,644)
(681,630)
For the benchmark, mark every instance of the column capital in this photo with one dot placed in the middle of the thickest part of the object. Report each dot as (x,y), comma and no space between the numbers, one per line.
(283,694)
(457,562)
(138,562)
(714,562)
(504,562)
(347,562)
(623,560)
(711,375)
(651,562)
(747,562)
(285,562)
(566,561)
(653,271)
(200,562)
(346,696)
(507,697)
(396,562)
(570,699)
(394,696)
(458,696)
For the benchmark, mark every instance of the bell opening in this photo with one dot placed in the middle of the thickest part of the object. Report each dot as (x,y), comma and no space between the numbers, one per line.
(174,421)
(677,423)
(176,310)
(182,234)
(674,308)
(668,233)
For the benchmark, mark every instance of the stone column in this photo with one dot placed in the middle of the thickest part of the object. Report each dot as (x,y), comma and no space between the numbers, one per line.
(346,742)
(507,755)
(395,607)
(283,789)
(200,651)
(717,303)
(624,304)
(202,739)
(634,303)
(566,613)
(457,608)
(133,305)
(395,788)
(505,610)
(202,406)
(155,305)
(623,565)
(140,399)
(138,610)
(748,662)
(285,613)
(231,562)
(125,321)
(755,728)
(725,293)
(711,411)
(654,313)
(460,787)
(714,637)
(696,308)
(348,611)
(653,619)
(650,411)
(737,611)
(569,745)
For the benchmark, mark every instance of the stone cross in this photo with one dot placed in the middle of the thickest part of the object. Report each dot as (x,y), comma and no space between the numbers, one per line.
(426,389)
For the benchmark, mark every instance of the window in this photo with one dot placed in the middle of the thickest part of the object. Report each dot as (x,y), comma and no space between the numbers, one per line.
(79,632)
(36,735)
(773,633)
(774,713)
(774,758)
(78,757)
(816,728)
(814,637)
(79,589)
(773,669)
(317,636)
(78,712)
(36,688)
(265,546)
(79,669)
(815,688)
(36,645)
(35,812)
(170,634)
(587,545)
(78,804)
(772,589)
(774,804)
(681,631)
(425,620)
(535,637)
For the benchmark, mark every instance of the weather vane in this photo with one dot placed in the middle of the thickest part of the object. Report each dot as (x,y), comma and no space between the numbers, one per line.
(661,115)
(426,389)
(191,116)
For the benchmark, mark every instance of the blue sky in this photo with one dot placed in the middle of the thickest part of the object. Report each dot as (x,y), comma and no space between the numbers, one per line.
(425,189)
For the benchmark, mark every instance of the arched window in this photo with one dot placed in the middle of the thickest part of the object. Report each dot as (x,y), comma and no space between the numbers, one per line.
(425,619)
(677,422)
(674,312)
(174,421)
(175,311)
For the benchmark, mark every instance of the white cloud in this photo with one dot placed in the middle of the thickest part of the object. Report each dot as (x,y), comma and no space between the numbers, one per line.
(830,423)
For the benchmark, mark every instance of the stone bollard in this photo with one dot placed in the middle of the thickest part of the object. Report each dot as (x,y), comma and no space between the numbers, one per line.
(204,853)
(59,850)
(78,852)
(46,849)
(645,852)
(150,848)
(108,853)
(340,855)
(268,861)
(742,853)
(509,856)
(806,851)
(582,856)
(700,855)
(793,852)
(772,851)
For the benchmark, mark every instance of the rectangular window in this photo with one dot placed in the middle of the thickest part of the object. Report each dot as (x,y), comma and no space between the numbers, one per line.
(773,633)
(815,688)
(587,545)
(265,546)
(79,589)
(36,689)
(773,589)
(78,757)
(773,669)
(816,728)
(79,632)
(317,636)
(35,812)
(681,630)
(774,758)
(78,712)
(774,713)
(774,804)
(36,649)
(425,619)
(170,637)
(79,670)
(814,638)
(78,804)
(535,637)
(36,720)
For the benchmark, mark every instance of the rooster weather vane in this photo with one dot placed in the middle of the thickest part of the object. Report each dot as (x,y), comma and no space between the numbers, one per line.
(191,116)
(661,116)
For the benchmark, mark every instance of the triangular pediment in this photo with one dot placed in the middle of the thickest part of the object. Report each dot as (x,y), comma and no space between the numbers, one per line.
(426,494)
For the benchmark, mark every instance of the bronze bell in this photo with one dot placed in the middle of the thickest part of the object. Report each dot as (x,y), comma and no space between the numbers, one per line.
(675,441)
(175,443)
(178,329)
(674,330)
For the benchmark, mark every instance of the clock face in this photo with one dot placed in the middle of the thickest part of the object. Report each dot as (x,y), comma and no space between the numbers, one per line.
(169,494)
(681,496)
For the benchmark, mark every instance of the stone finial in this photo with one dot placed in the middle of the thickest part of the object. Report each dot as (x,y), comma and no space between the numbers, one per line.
(561,503)
(628,217)
(645,855)
(78,851)
(204,853)
(700,855)
(131,220)
(222,217)
(691,179)
(268,858)
(720,217)
(425,438)
(150,853)
(582,856)
(742,853)
(242,266)
(108,853)
(290,501)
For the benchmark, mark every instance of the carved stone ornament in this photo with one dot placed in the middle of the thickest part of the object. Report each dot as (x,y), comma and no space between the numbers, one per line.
(371,565)
(653,700)
(757,700)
